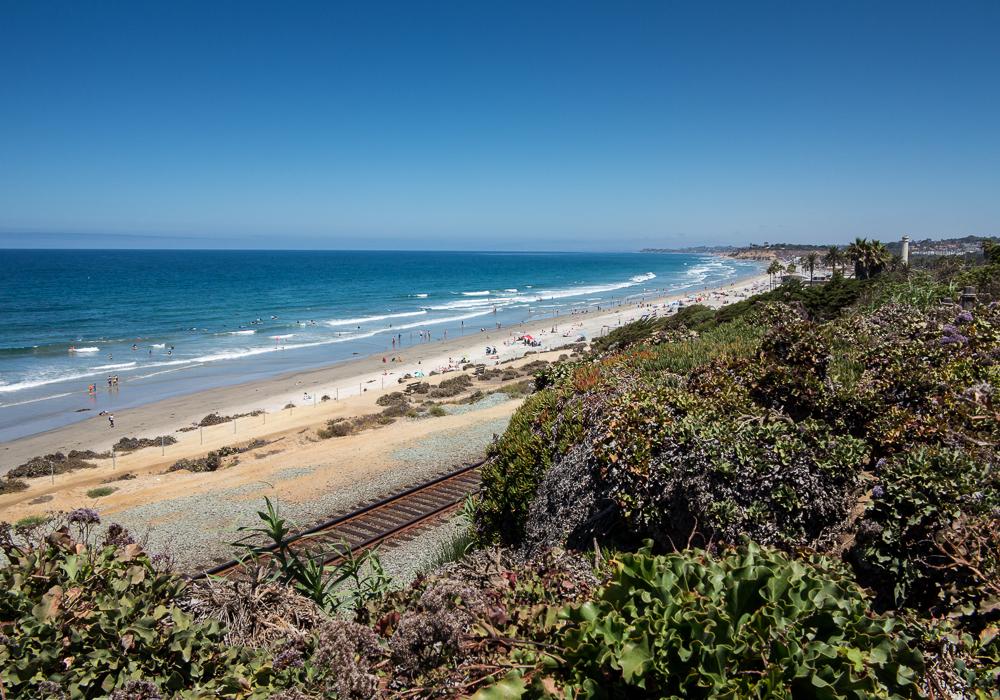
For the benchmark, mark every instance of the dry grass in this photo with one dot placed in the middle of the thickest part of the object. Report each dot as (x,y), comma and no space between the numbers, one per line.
(256,613)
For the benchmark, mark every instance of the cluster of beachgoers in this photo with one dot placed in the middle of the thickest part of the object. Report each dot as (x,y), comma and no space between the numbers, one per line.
(288,410)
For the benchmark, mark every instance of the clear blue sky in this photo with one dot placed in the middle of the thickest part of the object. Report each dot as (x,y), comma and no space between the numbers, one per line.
(498,125)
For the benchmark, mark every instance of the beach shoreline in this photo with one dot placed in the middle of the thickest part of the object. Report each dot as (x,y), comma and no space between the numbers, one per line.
(346,379)
(175,323)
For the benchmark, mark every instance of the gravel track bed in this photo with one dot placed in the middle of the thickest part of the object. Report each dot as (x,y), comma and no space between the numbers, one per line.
(488,401)
(197,530)
(405,560)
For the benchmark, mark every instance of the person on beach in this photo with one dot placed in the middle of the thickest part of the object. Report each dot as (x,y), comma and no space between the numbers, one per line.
(111,419)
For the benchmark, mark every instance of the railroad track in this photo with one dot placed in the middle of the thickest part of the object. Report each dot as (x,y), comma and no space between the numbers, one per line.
(374,523)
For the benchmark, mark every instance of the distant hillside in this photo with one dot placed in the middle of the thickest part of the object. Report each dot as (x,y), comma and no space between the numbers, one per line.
(766,250)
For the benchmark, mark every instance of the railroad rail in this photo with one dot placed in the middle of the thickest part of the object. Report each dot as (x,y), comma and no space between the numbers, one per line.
(372,524)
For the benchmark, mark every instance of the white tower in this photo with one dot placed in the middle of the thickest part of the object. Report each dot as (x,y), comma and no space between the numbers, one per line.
(904,253)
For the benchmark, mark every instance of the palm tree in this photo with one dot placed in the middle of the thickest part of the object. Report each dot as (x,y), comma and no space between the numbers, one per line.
(856,253)
(811,260)
(870,257)
(879,258)
(833,257)
(773,269)
(791,268)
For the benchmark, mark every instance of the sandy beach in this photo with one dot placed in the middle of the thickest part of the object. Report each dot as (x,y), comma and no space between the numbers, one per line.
(346,380)
(312,477)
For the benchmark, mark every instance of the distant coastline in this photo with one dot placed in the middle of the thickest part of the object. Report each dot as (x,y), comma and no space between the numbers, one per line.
(174,324)
(768,251)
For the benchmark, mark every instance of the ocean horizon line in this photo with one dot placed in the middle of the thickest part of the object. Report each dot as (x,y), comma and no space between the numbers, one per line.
(482,251)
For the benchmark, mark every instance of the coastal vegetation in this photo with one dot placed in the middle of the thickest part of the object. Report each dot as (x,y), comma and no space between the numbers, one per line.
(101,491)
(131,444)
(797,495)
(214,460)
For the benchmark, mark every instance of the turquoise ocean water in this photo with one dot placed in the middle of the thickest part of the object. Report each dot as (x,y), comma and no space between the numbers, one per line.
(174,322)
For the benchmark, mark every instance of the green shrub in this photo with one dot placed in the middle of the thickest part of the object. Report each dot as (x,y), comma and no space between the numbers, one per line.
(750,624)
(391,399)
(12,485)
(130,444)
(341,427)
(31,521)
(101,491)
(209,463)
(680,464)
(518,389)
(922,496)
(55,463)
(820,302)
(86,619)
(353,583)
(627,335)
(396,410)
(516,464)
(913,288)
(437,411)
(451,387)
(337,427)
(683,352)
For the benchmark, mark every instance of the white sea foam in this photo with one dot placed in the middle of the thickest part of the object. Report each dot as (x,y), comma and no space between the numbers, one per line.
(187,365)
(123,365)
(233,354)
(248,352)
(444,319)
(590,289)
(40,398)
(543,295)
(46,379)
(43,381)
(83,350)
(419,296)
(368,319)
(471,304)
(342,339)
